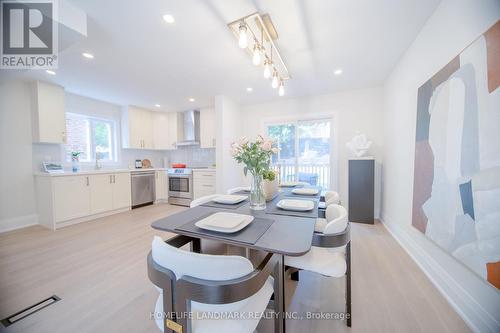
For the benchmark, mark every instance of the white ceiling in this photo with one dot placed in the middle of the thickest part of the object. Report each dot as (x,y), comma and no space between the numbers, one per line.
(141,60)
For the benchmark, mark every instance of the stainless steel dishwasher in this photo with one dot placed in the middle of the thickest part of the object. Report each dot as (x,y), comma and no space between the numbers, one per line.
(143,188)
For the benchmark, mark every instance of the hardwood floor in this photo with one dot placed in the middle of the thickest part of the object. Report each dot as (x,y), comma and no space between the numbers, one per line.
(98,268)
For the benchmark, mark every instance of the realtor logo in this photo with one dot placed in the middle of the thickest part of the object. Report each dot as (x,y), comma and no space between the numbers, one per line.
(29,34)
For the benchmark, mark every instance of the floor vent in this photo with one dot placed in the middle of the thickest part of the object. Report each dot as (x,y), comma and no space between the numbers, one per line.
(29,310)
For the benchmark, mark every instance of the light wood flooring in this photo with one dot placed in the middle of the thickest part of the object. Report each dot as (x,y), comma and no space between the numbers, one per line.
(98,268)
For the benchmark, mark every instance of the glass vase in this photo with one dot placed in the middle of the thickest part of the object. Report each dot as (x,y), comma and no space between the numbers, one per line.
(257,196)
(75,164)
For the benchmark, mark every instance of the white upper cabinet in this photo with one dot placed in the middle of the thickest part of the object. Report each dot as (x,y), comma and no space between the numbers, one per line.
(48,115)
(137,128)
(207,128)
(143,129)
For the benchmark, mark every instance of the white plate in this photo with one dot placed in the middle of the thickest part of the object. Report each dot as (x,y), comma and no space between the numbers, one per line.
(305,191)
(225,222)
(247,189)
(289,184)
(229,199)
(296,205)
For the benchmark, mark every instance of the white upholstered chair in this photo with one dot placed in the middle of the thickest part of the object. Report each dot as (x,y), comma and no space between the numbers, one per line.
(208,285)
(331,197)
(330,250)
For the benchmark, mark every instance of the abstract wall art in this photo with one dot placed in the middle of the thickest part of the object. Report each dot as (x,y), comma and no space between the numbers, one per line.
(456,189)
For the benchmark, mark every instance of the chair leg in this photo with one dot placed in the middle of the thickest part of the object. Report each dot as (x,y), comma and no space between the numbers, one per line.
(348,285)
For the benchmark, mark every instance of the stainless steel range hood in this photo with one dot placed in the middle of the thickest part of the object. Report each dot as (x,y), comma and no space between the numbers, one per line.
(191,128)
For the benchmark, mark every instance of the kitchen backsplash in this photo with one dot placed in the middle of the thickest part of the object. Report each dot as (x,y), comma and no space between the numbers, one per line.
(192,157)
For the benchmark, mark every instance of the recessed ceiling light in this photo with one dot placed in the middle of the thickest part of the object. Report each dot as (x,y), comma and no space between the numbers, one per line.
(249,89)
(88,55)
(48,71)
(157,105)
(191,99)
(168,18)
(338,71)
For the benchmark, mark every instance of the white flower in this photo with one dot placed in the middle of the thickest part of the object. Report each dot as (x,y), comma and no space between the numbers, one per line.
(275,150)
(234,152)
(259,139)
(242,141)
(267,146)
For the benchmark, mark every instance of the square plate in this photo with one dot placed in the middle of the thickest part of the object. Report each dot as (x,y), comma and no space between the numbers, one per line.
(296,205)
(305,191)
(229,199)
(288,184)
(225,222)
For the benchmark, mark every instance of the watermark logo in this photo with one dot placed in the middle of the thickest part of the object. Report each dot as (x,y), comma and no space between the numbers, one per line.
(29,34)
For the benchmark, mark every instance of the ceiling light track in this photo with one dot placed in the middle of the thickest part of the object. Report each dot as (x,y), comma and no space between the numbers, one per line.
(252,27)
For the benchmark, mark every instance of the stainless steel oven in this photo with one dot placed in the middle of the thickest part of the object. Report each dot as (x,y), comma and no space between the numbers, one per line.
(180,186)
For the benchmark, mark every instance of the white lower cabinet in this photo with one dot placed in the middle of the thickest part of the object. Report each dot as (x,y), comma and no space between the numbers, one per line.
(122,191)
(161,186)
(203,182)
(65,200)
(71,197)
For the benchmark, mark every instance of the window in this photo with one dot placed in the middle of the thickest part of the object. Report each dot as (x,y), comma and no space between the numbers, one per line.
(304,151)
(90,136)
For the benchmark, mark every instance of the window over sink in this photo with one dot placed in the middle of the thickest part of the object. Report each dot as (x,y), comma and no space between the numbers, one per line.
(90,136)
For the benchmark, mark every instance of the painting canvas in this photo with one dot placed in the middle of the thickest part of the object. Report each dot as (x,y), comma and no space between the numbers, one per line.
(456,193)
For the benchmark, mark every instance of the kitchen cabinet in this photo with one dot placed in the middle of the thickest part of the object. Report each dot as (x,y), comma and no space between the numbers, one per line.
(122,190)
(48,117)
(161,186)
(101,193)
(137,128)
(67,199)
(71,197)
(203,182)
(207,128)
(143,129)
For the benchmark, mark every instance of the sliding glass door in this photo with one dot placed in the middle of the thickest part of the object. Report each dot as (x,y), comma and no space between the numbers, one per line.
(305,149)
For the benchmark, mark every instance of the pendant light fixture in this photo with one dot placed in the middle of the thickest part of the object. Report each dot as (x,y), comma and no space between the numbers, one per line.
(281,90)
(243,38)
(263,51)
(256,54)
(275,82)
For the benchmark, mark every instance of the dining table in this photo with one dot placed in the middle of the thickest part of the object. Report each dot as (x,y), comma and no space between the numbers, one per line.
(273,230)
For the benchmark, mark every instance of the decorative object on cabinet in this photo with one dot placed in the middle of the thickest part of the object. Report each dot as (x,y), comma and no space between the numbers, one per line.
(361,190)
(456,182)
(146,164)
(51,167)
(75,161)
(359,145)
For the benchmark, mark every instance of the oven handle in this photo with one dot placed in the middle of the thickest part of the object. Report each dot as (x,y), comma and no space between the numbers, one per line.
(143,175)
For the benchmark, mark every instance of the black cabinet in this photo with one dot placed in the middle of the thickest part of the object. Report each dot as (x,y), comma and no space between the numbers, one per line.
(361,190)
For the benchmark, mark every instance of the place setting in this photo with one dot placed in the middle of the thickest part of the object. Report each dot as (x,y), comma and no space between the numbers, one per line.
(288,205)
(227,225)
(227,201)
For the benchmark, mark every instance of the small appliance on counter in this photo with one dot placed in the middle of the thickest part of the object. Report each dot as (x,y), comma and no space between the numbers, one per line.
(138,164)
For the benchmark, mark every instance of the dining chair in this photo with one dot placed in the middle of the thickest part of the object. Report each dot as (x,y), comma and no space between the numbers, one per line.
(211,288)
(237,189)
(330,253)
(331,197)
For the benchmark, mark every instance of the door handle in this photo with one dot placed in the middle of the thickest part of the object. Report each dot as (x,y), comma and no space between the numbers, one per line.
(87,180)
(110,179)
(114,179)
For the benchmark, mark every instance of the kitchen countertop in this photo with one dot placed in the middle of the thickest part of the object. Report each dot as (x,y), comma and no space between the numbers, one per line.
(105,171)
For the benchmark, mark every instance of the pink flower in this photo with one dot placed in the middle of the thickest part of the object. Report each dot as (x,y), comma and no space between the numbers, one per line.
(275,150)
(242,141)
(259,139)
(267,145)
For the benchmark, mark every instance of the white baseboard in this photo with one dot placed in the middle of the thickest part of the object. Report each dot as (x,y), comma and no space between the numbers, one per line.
(18,222)
(474,315)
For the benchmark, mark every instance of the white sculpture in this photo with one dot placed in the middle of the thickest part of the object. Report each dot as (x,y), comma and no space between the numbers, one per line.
(359,145)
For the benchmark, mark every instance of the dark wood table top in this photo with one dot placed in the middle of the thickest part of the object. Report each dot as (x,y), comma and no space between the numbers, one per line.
(288,235)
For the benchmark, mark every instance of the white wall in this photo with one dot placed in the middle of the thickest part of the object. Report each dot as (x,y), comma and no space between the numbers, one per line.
(453,26)
(229,125)
(17,197)
(351,111)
